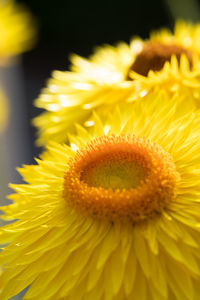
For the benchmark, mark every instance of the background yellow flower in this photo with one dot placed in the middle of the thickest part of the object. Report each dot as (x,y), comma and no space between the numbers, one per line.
(16,30)
(76,238)
(185,34)
(114,75)
(175,56)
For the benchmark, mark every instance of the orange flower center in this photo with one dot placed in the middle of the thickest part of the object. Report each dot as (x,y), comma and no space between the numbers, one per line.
(120,177)
(154,55)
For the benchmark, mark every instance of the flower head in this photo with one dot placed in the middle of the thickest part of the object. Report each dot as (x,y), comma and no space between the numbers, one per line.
(115,215)
(185,34)
(170,61)
(16,30)
(113,75)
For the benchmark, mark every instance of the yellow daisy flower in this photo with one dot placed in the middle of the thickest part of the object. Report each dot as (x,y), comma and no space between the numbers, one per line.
(16,30)
(185,34)
(113,75)
(175,56)
(113,216)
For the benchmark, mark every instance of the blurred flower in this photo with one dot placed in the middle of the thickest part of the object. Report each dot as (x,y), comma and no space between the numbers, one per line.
(175,56)
(115,215)
(185,34)
(3,111)
(16,30)
(113,75)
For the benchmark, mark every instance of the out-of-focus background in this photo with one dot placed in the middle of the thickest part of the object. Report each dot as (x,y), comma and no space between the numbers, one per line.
(67,26)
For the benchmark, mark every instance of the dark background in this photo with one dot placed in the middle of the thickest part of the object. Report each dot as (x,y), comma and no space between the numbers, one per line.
(77,26)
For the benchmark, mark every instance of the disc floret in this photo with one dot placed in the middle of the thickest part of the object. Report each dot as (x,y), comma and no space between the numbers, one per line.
(121,177)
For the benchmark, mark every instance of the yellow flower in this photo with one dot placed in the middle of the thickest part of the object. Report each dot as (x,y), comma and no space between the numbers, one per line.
(16,30)
(113,216)
(3,111)
(113,75)
(175,56)
(185,34)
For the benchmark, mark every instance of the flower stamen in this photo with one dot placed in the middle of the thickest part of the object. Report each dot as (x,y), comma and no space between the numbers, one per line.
(121,177)
(154,55)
